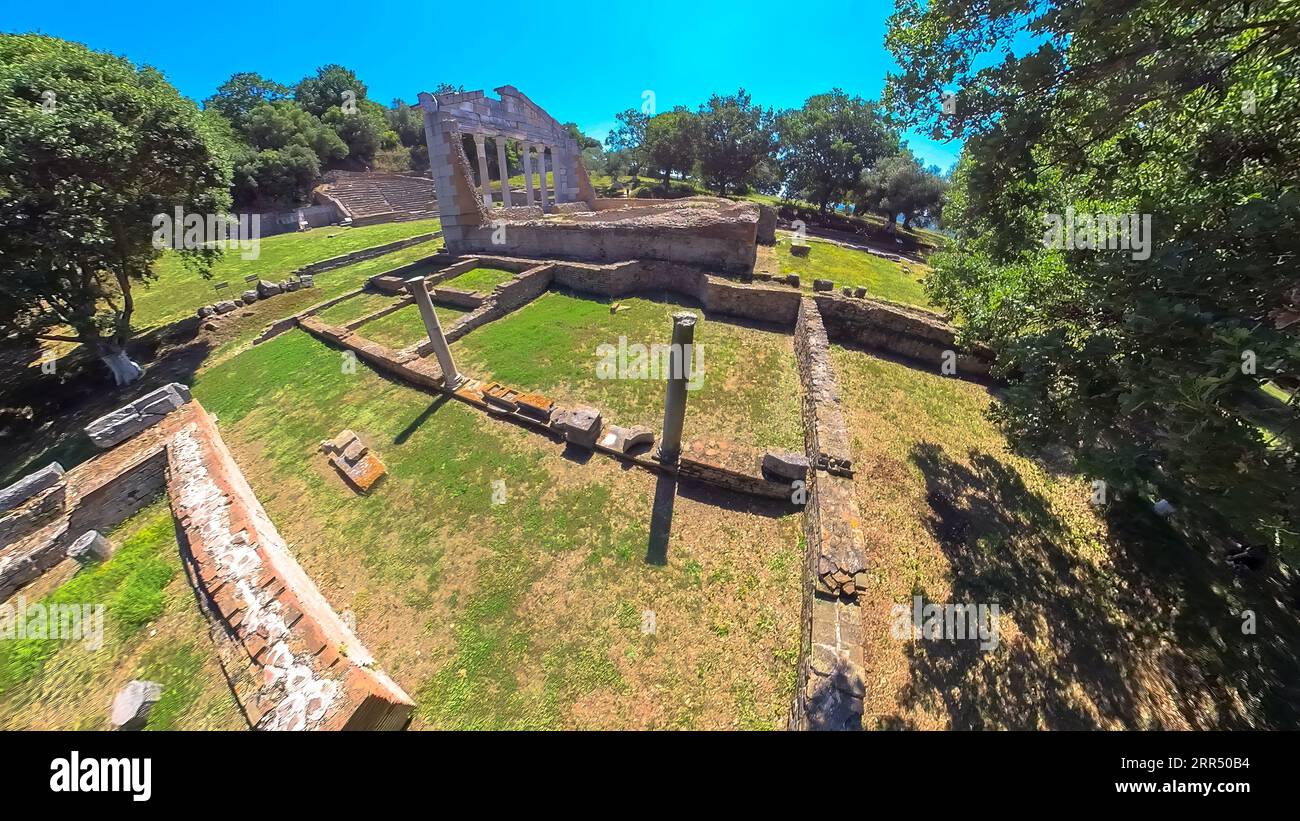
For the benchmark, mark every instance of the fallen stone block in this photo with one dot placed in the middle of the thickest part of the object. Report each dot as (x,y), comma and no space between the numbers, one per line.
(792,280)
(225,307)
(129,420)
(580,426)
(859,292)
(847,291)
(265,288)
(307,280)
(30,485)
(359,466)
(206,311)
(823,285)
(800,250)
(535,406)
(90,547)
(786,464)
(132,704)
(624,440)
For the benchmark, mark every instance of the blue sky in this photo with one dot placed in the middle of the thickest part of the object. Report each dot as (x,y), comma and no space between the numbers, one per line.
(780,52)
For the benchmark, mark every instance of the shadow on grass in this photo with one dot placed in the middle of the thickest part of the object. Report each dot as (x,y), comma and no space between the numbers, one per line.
(1160,632)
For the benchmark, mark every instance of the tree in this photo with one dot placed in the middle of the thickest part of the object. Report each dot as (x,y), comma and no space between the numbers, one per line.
(630,131)
(826,145)
(91,149)
(1148,360)
(243,92)
(669,142)
(333,86)
(735,137)
(363,129)
(584,142)
(898,185)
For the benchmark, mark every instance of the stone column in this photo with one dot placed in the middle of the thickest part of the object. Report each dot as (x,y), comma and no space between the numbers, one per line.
(541,168)
(451,378)
(527,148)
(670,444)
(483,171)
(502,171)
(561,176)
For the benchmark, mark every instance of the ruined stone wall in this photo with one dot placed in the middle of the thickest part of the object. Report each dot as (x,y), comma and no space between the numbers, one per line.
(831,680)
(728,248)
(916,335)
(506,297)
(291,662)
(103,502)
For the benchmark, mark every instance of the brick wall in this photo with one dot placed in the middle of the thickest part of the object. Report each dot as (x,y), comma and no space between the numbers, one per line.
(290,660)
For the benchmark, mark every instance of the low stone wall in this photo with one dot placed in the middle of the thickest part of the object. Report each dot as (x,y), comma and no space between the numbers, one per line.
(506,297)
(458,298)
(364,254)
(831,678)
(748,483)
(398,304)
(291,662)
(917,335)
(407,364)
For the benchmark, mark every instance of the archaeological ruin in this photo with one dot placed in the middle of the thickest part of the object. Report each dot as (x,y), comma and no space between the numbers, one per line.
(290,659)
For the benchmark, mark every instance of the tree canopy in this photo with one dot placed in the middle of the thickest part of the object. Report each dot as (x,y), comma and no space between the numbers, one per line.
(91,149)
(1152,367)
(826,145)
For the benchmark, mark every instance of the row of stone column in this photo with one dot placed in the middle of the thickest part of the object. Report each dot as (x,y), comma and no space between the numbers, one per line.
(526,151)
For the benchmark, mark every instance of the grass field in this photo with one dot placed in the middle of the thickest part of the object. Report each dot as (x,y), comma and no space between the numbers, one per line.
(178,291)
(528,613)
(1104,623)
(482,280)
(404,326)
(152,630)
(750,389)
(883,279)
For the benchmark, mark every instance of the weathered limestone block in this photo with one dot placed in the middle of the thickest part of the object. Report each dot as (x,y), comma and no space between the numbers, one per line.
(624,440)
(307,280)
(118,426)
(860,292)
(580,426)
(823,285)
(30,485)
(90,547)
(206,311)
(132,704)
(266,288)
(225,307)
(354,461)
(249,296)
(792,280)
(800,250)
(785,464)
(766,225)
(535,406)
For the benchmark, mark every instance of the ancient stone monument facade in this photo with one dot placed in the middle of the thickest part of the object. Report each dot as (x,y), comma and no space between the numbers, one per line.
(561,219)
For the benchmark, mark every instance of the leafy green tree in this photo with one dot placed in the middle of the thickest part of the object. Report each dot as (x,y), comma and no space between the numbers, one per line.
(828,143)
(898,185)
(91,149)
(332,86)
(630,131)
(736,136)
(243,92)
(669,142)
(1150,363)
(363,130)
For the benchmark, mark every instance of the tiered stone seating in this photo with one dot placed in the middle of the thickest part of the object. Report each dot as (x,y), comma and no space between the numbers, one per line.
(380,197)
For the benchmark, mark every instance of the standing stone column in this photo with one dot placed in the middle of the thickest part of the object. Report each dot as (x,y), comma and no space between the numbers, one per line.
(527,148)
(502,171)
(451,378)
(561,177)
(670,445)
(541,168)
(484,184)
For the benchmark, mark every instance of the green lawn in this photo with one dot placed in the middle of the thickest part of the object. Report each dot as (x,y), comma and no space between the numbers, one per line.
(355,308)
(750,390)
(179,291)
(482,280)
(152,629)
(526,613)
(882,278)
(404,326)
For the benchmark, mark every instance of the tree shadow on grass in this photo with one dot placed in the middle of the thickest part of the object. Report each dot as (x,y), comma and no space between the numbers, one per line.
(1156,631)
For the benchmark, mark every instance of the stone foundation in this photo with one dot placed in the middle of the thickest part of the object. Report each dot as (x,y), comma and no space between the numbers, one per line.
(831,678)
(916,335)
(290,660)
